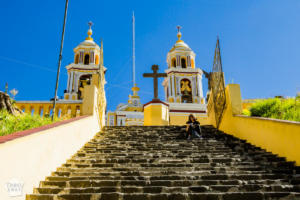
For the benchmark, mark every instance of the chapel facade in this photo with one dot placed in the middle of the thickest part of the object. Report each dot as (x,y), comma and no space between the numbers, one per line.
(127,114)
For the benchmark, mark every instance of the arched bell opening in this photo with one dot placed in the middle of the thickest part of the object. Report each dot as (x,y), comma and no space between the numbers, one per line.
(87,59)
(173,62)
(186,91)
(183,63)
(83,81)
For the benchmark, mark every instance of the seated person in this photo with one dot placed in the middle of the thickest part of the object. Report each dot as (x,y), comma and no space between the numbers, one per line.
(193,128)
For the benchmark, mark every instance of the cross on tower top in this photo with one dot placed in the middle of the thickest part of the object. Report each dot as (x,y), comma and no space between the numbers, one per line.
(178,32)
(90,32)
(90,24)
(178,28)
(155,77)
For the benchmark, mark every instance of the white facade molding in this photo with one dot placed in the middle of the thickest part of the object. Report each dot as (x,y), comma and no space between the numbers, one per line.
(82,66)
(184,70)
(187,106)
(158,104)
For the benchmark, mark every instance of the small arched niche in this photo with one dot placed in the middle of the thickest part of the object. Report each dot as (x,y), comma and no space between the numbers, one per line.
(173,62)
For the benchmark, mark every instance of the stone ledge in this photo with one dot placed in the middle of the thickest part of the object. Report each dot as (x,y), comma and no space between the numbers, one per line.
(269,119)
(155,101)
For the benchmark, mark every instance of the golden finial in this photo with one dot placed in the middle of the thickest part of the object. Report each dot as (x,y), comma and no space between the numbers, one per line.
(135,89)
(179,33)
(90,32)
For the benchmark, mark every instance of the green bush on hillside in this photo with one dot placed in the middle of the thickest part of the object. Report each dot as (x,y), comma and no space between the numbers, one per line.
(286,109)
(10,123)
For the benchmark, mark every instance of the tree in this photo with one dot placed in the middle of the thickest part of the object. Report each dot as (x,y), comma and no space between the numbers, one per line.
(6,104)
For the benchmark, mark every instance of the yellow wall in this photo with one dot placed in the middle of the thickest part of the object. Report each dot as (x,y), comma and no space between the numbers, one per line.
(278,136)
(156,115)
(182,118)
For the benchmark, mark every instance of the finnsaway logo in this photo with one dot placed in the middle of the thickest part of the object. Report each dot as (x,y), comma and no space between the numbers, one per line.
(14,187)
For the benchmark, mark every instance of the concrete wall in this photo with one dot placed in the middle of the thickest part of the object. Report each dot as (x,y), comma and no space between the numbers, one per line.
(277,136)
(31,158)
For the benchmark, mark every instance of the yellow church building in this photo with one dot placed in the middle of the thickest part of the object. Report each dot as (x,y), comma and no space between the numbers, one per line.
(87,58)
(183,84)
(86,69)
(182,87)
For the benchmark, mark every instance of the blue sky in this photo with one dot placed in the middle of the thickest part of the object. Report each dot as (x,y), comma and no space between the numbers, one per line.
(259,40)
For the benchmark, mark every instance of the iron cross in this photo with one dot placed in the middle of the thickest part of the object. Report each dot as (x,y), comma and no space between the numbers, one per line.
(90,24)
(155,77)
(178,28)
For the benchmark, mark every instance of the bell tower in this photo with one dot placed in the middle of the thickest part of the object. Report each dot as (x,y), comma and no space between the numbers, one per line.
(183,84)
(88,59)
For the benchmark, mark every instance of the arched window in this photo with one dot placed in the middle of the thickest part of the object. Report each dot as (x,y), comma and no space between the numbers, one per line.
(59,113)
(183,63)
(41,111)
(97,60)
(69,112)
(32,111)
(77,59)
(87,59)
(77,111)
(174,62)
(50,112)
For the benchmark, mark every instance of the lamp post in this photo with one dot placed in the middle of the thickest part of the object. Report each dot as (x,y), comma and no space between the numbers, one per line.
(60,58)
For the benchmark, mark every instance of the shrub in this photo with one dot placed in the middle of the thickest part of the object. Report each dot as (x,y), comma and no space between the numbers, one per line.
(286,109)
(10,123)
(246,112)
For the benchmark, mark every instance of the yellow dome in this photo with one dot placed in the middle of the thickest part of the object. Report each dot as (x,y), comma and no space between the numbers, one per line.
(180,46)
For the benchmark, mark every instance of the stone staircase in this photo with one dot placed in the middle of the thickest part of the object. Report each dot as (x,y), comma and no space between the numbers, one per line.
(137,163)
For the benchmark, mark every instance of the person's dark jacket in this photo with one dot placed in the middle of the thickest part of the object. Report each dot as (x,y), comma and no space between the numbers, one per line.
(193,125)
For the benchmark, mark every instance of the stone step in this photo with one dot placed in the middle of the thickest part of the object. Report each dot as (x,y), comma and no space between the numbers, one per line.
(130,163)
(149,160)
(194,169)
(154,163)
(168,196)
(159,189)
(141,173)
(153,177)
(150,182)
